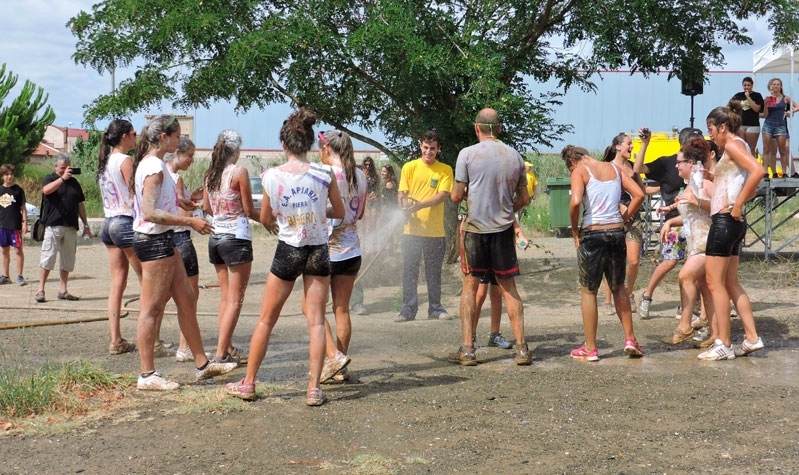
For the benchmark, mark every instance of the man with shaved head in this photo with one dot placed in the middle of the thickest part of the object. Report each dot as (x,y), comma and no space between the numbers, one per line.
(491,177)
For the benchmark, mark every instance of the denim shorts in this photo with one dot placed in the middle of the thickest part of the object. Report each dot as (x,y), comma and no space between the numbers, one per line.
(291,262)
(726,236)
(775,129)
(229,250)
(185,245)
(118,231)
(349,266)
(152,247)
(602,252)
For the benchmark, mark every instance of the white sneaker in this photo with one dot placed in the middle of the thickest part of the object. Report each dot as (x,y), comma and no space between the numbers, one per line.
(183,356)
(717,352)
(643,309)
(156,382)
(333,366)
(747,347)
(214,368)
(633,306)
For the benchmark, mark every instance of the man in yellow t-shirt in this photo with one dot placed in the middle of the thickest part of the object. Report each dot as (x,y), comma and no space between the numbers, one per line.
(424,185)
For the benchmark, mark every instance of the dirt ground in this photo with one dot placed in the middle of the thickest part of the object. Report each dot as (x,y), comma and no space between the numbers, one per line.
(406,409)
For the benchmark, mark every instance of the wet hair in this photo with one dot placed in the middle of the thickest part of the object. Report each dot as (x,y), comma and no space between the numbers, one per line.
(184,146)
(227,145)
(610,151)
(749,80)
(391,176)
(696,150)
(110,139)
(715,149)
(341,144)
(297,131)
(430,136)
(488,122)
(729,116)
(6,168)
(572,154)
(149,137)
(687,134)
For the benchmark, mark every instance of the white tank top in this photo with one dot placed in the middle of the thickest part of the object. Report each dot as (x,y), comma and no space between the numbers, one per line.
(729,180)
(117,198)
(167,201)
(601,200)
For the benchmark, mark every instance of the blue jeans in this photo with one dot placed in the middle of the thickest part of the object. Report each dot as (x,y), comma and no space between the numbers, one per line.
(414,248)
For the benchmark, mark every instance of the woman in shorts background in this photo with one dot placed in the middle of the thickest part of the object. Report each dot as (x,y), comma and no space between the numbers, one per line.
(619,153)
(163,272)
(600,242)
(344,247)
(775,129)
(735,181)
(114,171)
(176,162)
(228,198)
(296,195)
(752,104)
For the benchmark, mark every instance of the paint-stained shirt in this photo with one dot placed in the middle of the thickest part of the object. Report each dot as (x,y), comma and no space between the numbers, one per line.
(344,242)
(492,172)
(421,182)
(299,202)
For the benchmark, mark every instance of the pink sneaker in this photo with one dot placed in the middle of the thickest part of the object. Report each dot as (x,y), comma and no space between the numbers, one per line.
(633,349)
(241,390)
(581,352)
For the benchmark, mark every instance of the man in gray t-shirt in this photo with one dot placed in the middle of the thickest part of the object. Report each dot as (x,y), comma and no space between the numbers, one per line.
(494,176)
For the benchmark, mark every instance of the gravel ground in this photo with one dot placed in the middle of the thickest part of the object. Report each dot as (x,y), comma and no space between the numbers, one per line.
(406,409)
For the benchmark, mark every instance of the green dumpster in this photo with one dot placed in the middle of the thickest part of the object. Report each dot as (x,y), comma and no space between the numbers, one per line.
(559,190)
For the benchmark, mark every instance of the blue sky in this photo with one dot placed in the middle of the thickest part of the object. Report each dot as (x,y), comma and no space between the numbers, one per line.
(37,46)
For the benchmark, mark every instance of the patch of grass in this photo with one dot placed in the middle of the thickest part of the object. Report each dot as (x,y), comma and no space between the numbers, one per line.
(52,388)
(371,464)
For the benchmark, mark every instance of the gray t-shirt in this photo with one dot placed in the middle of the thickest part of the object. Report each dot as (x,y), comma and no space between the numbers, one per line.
(493,172)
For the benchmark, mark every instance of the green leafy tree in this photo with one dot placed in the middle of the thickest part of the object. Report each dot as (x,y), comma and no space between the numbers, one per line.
(23,121)
(84,153)
(403,66)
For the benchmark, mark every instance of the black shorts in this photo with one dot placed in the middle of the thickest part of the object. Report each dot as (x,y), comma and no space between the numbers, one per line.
(152,247)
(291,262)
(602,253)
(489,278)
(349,266)
(491,251)
(185,245)
(118,231)
(229,250)
(726,236)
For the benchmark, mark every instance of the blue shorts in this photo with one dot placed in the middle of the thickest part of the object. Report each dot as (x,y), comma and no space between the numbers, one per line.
(775,129)
(229,250)
(10,237)
(185,245)
(152,247)
(118,231)
(291,262)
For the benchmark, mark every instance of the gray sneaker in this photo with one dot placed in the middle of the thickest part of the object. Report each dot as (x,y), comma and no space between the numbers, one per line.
(747,347)
(21,281)
(4,280)
(155,382)
(440,315)
(496,339)
(333,366)
(633,307)
(643,310)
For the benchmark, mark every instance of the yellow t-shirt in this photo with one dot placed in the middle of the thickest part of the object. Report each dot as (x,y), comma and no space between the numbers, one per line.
(532,182)
(421,182)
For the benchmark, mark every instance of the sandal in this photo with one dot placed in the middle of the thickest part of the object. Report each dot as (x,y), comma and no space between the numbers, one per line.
(123,346)
(39,296)
(67,296)
(315,397)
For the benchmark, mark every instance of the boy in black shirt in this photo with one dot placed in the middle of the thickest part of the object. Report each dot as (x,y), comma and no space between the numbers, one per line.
(13,223)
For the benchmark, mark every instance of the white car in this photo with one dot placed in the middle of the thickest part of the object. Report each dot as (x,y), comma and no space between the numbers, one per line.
(33,213)
(257,192)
